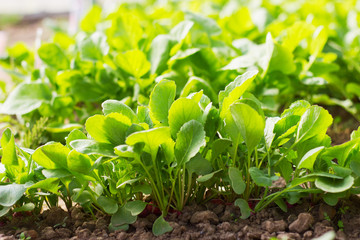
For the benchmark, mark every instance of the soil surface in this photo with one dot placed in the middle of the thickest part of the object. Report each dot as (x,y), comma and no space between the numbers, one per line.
(212,221)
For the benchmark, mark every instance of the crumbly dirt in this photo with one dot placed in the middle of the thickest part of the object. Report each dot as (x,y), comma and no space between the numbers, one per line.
(211,221)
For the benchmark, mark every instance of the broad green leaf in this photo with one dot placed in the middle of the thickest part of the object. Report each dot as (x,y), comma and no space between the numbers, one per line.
(197,84)
(122,216)
(53,55)
(51,156)
(182,111)
(160,53)
(79,162)
(91,19)
(236,180)
(355,134)
(333,185)
(49,184)
(207,176)
(108,129)
(115,106)
(277,58)
(250,123)
(56,173)
(181,30)
(281,204)
(10,194)
(297,108)
(269,133)
(135,207)
(232,129)
(94,47)
(25,98)
(207,24)
(86,146)
(109,205)
(190,139)
(260,178)
(219,146)
(314,121)
(9,156)
(152,138)
(24,208)
(308,160)
(62,128)
(199,165)
(75,134)
(244,208)
(318,42)
(82,197)
(133,62)
(355,166)
(296,33)
(4,210)
(161,226)
(234,90)
(161,98)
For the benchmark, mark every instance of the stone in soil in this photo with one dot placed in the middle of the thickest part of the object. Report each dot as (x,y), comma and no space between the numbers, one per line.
(204,216)
(274,226)
(302,223)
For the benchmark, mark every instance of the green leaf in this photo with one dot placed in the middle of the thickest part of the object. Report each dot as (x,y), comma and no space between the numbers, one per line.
(308,160)
(250,123)
(269,133)
(86,146)
(9,156)
(314,121)
(4,210)
(10,194)
(207,24)
(161,226)
(53,55)
(207,176)
(79,162)
(234,90)
(51,156)
(49,184)
(160,53)
(24,208)
(161,98)
(244,208)
(115,106)
(152,138)
(219,146)
(190,139)
(122,216)
(109,205)
(94,47)
(91,19)
(182,111)
(333,185)
(181,30)
(25,98)
(75,134)
(281,204)
(199,165)
(135,207)
(318,42)
(134,62)
(108,129)
(260,178)
(296,33)
(236,180)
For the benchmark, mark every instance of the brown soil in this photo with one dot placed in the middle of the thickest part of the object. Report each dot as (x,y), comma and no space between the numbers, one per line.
(212,221)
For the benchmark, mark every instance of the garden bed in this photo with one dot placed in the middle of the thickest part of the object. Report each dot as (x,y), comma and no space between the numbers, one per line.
(215,220)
